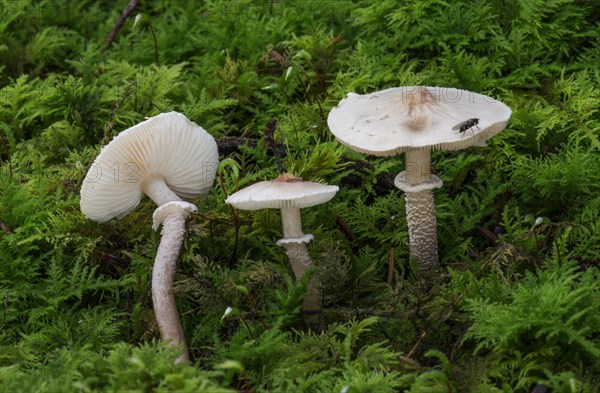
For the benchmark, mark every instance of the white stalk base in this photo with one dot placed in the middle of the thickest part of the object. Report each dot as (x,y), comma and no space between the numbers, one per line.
(172,215)
(297,253)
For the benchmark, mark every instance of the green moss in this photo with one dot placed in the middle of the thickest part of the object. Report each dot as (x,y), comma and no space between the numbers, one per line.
(512,305)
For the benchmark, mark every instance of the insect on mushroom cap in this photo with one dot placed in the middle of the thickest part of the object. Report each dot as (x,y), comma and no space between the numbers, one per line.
(406,118)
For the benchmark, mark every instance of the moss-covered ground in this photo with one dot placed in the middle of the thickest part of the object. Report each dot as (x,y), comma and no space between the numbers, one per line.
(514,305)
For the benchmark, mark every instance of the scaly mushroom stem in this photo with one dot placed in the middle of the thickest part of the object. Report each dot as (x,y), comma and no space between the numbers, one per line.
(172,216)
(298,255)
(171,213)
(422,231)
(418,182)
(294,242)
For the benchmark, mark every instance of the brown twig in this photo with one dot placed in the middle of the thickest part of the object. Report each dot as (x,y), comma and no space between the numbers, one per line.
(487,233)
(417,345)
(410,361)
(155,44)
(345,229)
(390,267)
(124,15)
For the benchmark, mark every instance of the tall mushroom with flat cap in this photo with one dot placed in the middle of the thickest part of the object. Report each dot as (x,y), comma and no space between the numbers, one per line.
(415,120)
(168,158)
(289,194)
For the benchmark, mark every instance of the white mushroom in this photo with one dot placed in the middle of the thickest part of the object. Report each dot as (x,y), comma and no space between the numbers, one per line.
(166,157)
(416,120)
(289,194)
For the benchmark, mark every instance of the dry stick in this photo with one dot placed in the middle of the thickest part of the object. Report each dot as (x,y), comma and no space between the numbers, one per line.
(247,326)
(410,361)
(345,229)
(487,233)
(390,267)
(417,345)
(155,44)
(124,15)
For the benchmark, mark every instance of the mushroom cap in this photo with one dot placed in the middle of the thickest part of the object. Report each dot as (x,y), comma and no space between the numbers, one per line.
(168,145)
(278,193)
(407,118)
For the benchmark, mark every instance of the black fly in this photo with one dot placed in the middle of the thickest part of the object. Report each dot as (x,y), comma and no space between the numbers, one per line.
(466,125)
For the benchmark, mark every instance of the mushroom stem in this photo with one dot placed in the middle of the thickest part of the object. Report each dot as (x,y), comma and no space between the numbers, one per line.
(418,184)
(297,253)
(163,273)
(156,188)
(292,222)
(422,229)
(294,242)
(418,166)
(171,216)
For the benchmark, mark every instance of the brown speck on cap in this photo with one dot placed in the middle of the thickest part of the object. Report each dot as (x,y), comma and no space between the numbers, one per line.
(401,119)
(288,178)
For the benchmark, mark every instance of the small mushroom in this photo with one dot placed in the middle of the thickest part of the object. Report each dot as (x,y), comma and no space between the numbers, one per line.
(166,157)
(415,120)
(289,194)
